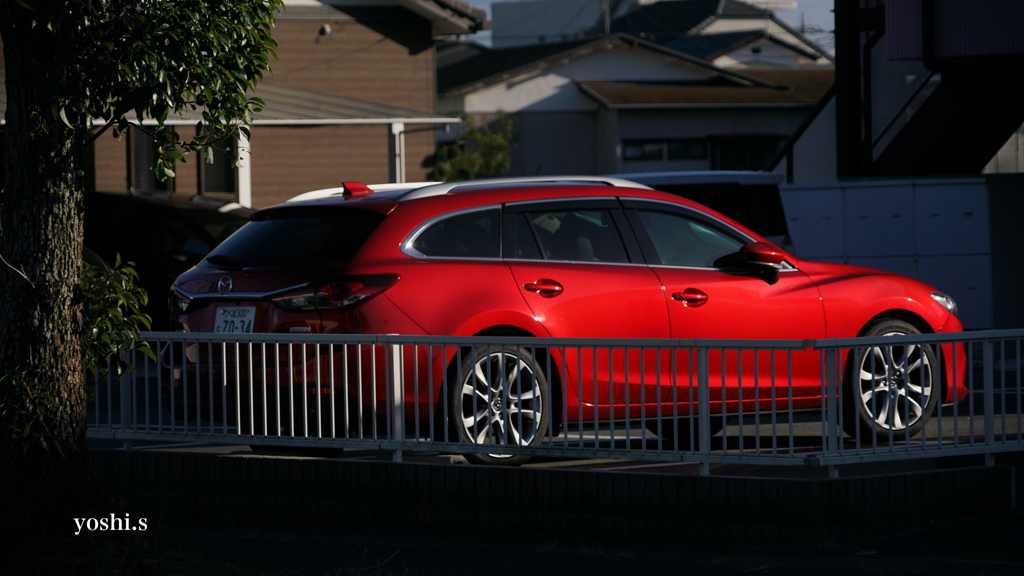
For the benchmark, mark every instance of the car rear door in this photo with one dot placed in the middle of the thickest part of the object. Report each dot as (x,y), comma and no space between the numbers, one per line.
(581,272)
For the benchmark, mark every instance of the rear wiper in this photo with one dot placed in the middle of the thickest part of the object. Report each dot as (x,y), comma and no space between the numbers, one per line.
(225,262)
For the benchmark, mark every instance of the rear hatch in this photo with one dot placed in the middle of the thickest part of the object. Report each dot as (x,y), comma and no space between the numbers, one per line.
(270,275)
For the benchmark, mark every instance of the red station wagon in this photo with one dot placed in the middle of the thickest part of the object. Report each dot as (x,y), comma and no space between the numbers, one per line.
(579,257)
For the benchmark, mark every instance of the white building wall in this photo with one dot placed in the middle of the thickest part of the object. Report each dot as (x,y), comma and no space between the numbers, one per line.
(743,24)
(542,93)
(609,147)
(1010,157)
(555,143)
(936,230)
(814,154)
(762,53)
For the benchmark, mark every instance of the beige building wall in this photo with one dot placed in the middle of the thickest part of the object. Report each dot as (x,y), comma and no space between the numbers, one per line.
(109,158)
(287,161)
(386,57)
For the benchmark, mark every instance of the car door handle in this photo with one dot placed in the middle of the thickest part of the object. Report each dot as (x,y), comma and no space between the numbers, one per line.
(545,287)
(691,297)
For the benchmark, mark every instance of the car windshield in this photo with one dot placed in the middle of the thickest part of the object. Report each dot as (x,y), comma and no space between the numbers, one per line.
(301,239)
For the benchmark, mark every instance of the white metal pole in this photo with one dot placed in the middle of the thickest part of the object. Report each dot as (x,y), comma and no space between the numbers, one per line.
(397,152)
(243,175)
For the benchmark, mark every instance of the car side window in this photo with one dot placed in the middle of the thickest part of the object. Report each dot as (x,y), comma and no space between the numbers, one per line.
(583,235)
(682,241)
(524,242)
(474,234)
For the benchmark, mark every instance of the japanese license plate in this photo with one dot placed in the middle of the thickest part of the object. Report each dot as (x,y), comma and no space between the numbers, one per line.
(235,319)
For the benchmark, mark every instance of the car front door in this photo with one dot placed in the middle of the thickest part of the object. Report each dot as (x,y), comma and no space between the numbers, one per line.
(712,293)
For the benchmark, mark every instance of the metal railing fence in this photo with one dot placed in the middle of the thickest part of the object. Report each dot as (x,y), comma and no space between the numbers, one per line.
(824,402)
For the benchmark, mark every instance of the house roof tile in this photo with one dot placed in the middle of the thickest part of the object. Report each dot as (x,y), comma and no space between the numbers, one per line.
(671,20)
(295,107)
(479,67)
(796,87)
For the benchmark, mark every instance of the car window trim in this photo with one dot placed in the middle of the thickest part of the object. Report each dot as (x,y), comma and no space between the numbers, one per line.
(577,262)
(595,202)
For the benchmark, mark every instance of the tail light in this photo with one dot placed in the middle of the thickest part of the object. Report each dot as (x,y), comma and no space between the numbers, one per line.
(339,294)
(177,303)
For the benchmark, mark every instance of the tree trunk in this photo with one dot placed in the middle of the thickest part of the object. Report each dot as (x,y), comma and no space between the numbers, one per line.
(44,464)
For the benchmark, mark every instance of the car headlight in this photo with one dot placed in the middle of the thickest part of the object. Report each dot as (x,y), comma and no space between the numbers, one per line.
(945,301)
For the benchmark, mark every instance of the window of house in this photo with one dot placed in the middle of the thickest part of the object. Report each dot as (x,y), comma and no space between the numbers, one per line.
(643,150)
(745,152)
(687,149)
(142,154)
(219,177)
(665,149)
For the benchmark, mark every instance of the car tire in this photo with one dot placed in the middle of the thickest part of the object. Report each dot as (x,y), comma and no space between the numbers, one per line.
(677,435)
(501,397)
(890,390)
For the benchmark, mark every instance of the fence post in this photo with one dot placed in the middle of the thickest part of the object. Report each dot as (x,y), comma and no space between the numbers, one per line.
(988,394)
(126,390)
(831,402)
(397,412)
(703,409)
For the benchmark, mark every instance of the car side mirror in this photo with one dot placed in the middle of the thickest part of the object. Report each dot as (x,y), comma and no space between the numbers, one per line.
(763,255)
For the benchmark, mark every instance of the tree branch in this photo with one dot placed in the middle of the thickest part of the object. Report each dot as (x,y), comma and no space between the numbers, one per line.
(19,272)
(102,130)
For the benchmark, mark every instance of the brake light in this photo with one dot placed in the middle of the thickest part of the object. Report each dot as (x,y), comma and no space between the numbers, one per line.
(177,303)
(339,294)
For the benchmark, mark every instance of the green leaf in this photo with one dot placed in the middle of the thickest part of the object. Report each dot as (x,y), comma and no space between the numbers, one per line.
(65,118)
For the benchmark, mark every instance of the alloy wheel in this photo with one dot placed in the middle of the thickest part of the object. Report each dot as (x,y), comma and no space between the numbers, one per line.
(501,401)
(895,385)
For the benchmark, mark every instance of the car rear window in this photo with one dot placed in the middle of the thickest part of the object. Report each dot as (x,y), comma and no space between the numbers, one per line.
(300,239)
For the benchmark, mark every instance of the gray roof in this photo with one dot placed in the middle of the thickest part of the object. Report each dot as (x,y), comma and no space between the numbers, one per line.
(286,106)
(475,67)
(445,16)
(664,22)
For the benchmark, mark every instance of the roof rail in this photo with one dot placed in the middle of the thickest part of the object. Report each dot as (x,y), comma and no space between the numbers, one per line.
(446,187)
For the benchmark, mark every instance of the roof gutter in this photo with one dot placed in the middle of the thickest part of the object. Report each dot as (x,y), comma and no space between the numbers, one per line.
(444,20)
(308,121)
(711,105)
(605,103)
